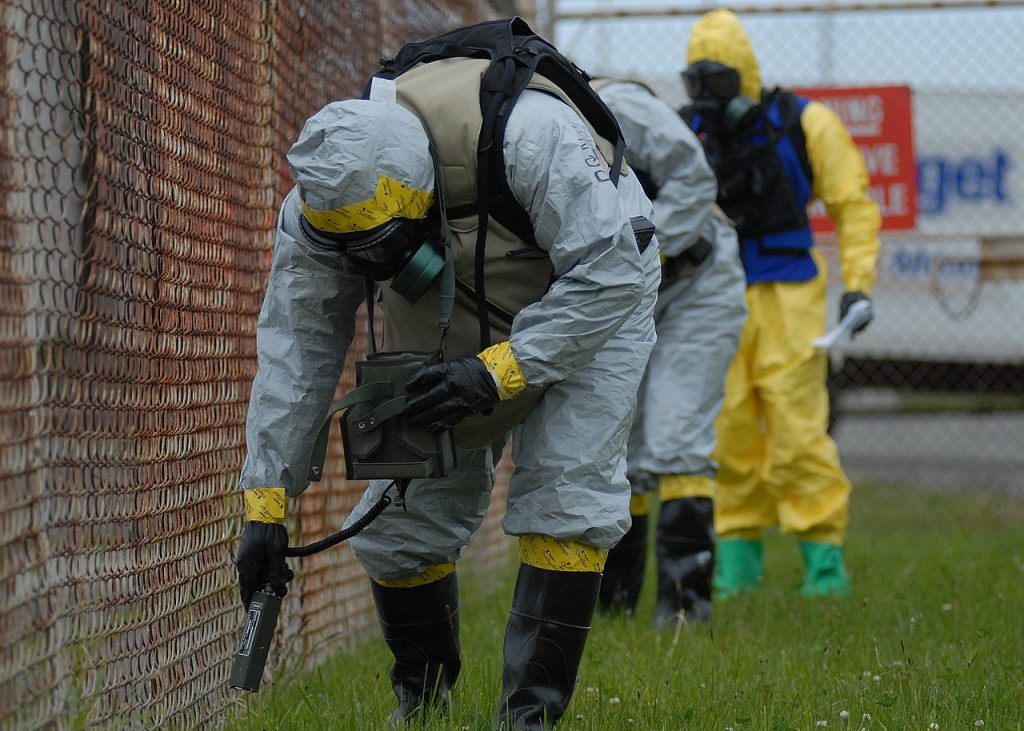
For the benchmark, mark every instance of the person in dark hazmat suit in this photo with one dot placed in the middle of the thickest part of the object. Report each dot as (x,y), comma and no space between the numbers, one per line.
(700,313)
(773,153)
(572,315)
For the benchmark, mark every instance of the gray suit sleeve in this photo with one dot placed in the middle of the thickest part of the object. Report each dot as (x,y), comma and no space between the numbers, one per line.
(582,221)
(660,144)
(305,328)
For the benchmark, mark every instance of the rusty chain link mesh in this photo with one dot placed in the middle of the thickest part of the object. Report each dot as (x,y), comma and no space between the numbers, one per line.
(141,163)
(933,392)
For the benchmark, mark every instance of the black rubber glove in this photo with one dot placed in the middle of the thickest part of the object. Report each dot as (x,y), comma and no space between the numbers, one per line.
(260,561)
(847,301)
(443,394)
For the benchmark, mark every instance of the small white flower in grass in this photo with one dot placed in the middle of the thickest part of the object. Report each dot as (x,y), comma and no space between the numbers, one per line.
(630,721)
(845,715)
(866,675)
(591,690)
(933,726)
(866,717)
(947,607)
(821,724)
(614,701)
(579,716)
(979,723)
(877,678)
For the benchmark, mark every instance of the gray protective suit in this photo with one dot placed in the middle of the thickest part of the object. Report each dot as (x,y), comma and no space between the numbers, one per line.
(699,316)
(588,339)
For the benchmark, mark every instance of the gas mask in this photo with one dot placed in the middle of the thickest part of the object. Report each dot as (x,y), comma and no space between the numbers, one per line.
(715,91)
(402,250)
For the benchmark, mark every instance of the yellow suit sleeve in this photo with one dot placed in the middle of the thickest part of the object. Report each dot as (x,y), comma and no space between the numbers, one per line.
(841,182)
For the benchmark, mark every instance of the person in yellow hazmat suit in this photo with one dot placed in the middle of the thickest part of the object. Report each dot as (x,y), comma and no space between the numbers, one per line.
(773,153)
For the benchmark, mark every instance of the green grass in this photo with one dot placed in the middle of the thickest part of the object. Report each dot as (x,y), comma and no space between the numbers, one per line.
(934,634)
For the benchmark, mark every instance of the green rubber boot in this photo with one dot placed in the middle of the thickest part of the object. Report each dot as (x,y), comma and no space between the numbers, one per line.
(825,571)
(739,565)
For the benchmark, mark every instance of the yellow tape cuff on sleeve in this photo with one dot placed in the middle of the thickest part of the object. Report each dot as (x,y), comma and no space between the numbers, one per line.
(640,504)
(392,199)
(673,487)
(545,552)
(860,284)
(503,367)
(265,504)
(432,574)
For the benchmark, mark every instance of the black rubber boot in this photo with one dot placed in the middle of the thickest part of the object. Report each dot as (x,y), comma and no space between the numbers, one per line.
(421,627)
(685,551)
(624,570)
(544,640)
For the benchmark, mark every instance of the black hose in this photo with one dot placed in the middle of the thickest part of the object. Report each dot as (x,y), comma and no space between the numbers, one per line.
(345,533)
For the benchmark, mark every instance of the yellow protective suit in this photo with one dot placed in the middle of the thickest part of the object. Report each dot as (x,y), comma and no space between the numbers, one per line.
(778,465)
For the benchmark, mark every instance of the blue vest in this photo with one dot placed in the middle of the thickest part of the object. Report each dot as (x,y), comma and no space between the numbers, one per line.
(782,254)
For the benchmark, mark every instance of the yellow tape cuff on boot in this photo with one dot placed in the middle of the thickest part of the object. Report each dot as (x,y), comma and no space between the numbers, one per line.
(673,487)
(544,552)
(503,367)
(432,574)
(265,504)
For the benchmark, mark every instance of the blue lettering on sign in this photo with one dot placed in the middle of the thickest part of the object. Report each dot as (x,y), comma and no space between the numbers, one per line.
(959,269)
(908,262)
(911,263)
(971,180)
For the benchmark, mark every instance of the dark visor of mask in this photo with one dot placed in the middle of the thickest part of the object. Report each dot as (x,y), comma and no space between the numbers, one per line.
(380,252)
(710,78)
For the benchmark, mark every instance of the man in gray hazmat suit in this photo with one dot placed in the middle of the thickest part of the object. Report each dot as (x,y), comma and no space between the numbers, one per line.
(700,313)
(572,350)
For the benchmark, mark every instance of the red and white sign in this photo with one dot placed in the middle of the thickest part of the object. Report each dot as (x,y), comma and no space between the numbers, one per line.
(880,120)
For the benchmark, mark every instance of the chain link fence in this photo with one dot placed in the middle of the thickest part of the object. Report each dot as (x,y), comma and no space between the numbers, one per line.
(141,164)
(933,392)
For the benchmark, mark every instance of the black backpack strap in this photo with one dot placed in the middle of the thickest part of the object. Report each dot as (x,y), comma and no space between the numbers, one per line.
(505,81)
(575,83)
(797,135)
(487,40)
(651,189)
(789,110)
(500,86)
(516,53)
